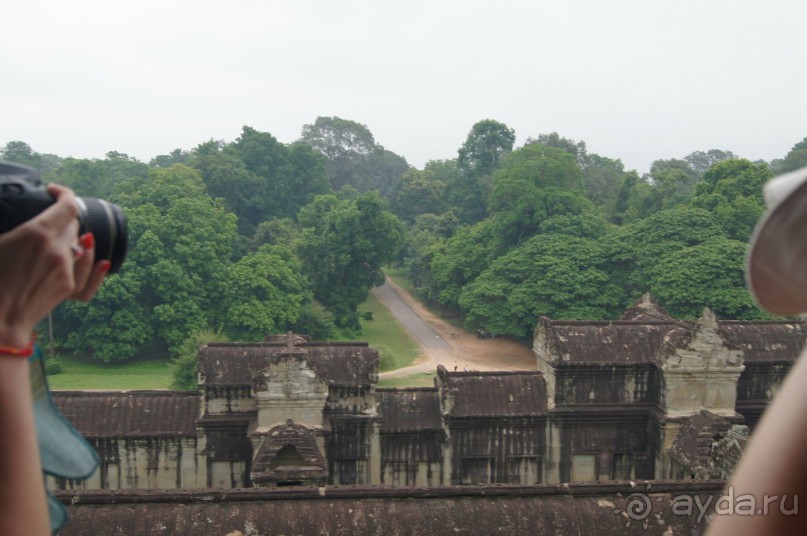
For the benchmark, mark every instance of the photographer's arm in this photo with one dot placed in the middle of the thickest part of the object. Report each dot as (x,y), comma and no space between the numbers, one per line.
(773,467)
(23,507)
(41,265)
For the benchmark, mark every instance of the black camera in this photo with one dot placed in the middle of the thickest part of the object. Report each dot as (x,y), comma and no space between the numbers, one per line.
(23,195)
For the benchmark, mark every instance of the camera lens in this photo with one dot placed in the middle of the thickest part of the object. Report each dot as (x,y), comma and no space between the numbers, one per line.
(108,225)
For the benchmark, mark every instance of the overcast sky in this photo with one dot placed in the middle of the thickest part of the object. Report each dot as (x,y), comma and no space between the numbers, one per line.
(636,80)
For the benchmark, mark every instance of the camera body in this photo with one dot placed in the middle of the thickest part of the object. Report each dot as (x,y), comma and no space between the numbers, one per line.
(23,195)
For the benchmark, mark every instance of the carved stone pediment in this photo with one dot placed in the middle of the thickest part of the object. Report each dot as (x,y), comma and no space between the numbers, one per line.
(288,377)
(288,455)
(704,349)
(288,388)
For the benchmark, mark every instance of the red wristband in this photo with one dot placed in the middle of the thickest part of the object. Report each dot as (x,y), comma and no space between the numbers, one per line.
(18,352)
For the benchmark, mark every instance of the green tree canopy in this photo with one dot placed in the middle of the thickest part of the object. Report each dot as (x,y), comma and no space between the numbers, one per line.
(343,244)
(535,183)
(290,176)
(711,274)
(674,181)
(353,158)
(636,199)
(484,147)
(732,190)
(263,293)
(467,191)
(635,249)
(603,178)
(700,161)
(180,245)
(417,193)
(555,275)
(243,191)
(177,156)
(104,179)
(423,240)
(795,159)
(460,259)
(576,148)
(22,153)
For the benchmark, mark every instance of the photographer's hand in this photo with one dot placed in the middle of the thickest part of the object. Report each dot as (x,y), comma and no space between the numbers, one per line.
(44,263)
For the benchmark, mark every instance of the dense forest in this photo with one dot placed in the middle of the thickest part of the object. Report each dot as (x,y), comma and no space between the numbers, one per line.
(237,240)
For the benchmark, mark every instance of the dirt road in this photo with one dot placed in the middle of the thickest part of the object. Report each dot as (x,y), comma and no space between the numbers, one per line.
(447,345)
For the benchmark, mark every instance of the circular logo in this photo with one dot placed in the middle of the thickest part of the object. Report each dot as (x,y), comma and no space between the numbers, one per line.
(638,506)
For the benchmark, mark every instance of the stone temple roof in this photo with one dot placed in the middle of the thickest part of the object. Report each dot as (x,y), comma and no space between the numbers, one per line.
(601,508)
(130,414)
(765,341)
(646,333)
(494,394)
(347,364)
(622,342)
(409,410)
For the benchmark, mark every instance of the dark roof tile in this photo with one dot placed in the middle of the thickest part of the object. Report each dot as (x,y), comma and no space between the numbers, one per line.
(347,364)
(132,414)
(409,410)
(765,341)
(495,394)
(619,342)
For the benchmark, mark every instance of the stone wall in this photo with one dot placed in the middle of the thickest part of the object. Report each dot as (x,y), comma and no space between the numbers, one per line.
(618,508)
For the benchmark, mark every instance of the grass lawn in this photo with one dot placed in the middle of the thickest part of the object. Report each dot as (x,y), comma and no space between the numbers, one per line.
(415,380)
(84,373)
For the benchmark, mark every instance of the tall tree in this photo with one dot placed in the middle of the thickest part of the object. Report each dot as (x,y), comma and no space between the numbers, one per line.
(701,161)
(636,199)
(423,240)
(243,191)
(353,158)
(553,139)
(460,259)
(292,176)
(795,159)
(535,183)
(177,156)
(260,178)
(484,147)
(418,192)
(674,181)
(732,191)
(263,293)
(343,245)
(481,154)
(604,178)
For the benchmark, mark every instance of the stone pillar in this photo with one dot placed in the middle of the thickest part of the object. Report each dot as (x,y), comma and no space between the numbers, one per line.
(545,357)
(668,433)
(552,453)
(374,457)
